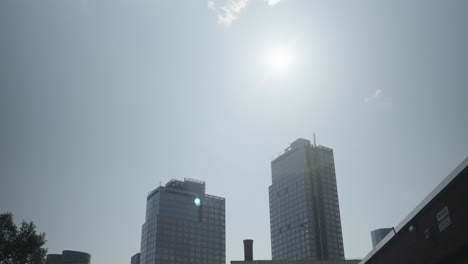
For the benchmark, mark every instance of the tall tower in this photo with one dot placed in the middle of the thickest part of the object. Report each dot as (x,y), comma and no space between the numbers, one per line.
(304,211)
(183,225)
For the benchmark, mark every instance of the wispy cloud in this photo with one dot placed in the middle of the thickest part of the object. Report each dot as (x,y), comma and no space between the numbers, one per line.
(376,95)
(229,12)
(230,9)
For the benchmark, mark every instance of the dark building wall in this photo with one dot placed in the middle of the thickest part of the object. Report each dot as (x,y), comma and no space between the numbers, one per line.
(437,233)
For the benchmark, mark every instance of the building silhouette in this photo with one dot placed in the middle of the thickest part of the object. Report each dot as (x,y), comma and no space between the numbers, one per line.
(135,259)
(305,219)
(183,225)
(69,257)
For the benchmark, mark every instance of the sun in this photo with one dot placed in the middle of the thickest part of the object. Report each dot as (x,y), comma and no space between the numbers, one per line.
(280,59)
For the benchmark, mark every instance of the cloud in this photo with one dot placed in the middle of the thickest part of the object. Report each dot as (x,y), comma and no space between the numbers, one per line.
(376,95)
(230,10)
(272,2)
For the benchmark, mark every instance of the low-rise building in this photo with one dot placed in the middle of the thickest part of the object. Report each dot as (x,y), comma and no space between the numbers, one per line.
(69,257)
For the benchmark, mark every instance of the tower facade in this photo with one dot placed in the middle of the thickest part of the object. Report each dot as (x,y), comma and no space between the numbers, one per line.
(305,218)
(183,225)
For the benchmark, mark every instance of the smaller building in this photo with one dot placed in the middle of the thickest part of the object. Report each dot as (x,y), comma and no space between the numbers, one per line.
(54,259)
(379,234)
(69,257)
(135,259)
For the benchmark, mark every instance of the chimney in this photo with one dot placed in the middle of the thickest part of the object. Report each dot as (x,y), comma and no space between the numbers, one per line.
(248,250)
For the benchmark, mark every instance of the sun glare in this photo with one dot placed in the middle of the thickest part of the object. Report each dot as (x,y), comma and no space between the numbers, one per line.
(280,59)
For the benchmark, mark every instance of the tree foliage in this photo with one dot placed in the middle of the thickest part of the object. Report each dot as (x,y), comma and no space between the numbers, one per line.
(20,246)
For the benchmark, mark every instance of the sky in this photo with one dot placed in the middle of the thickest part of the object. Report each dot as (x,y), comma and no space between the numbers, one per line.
(101,101)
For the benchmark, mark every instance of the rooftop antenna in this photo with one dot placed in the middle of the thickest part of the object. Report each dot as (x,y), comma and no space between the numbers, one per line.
(315,142)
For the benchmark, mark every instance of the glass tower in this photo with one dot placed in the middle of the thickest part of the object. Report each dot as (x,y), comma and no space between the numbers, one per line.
(304,211)
(183,225)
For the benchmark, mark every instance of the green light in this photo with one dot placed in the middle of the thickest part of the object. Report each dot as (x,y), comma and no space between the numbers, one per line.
(197,201)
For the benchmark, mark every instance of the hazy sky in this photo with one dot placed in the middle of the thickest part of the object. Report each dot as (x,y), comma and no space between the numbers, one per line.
(103,100)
